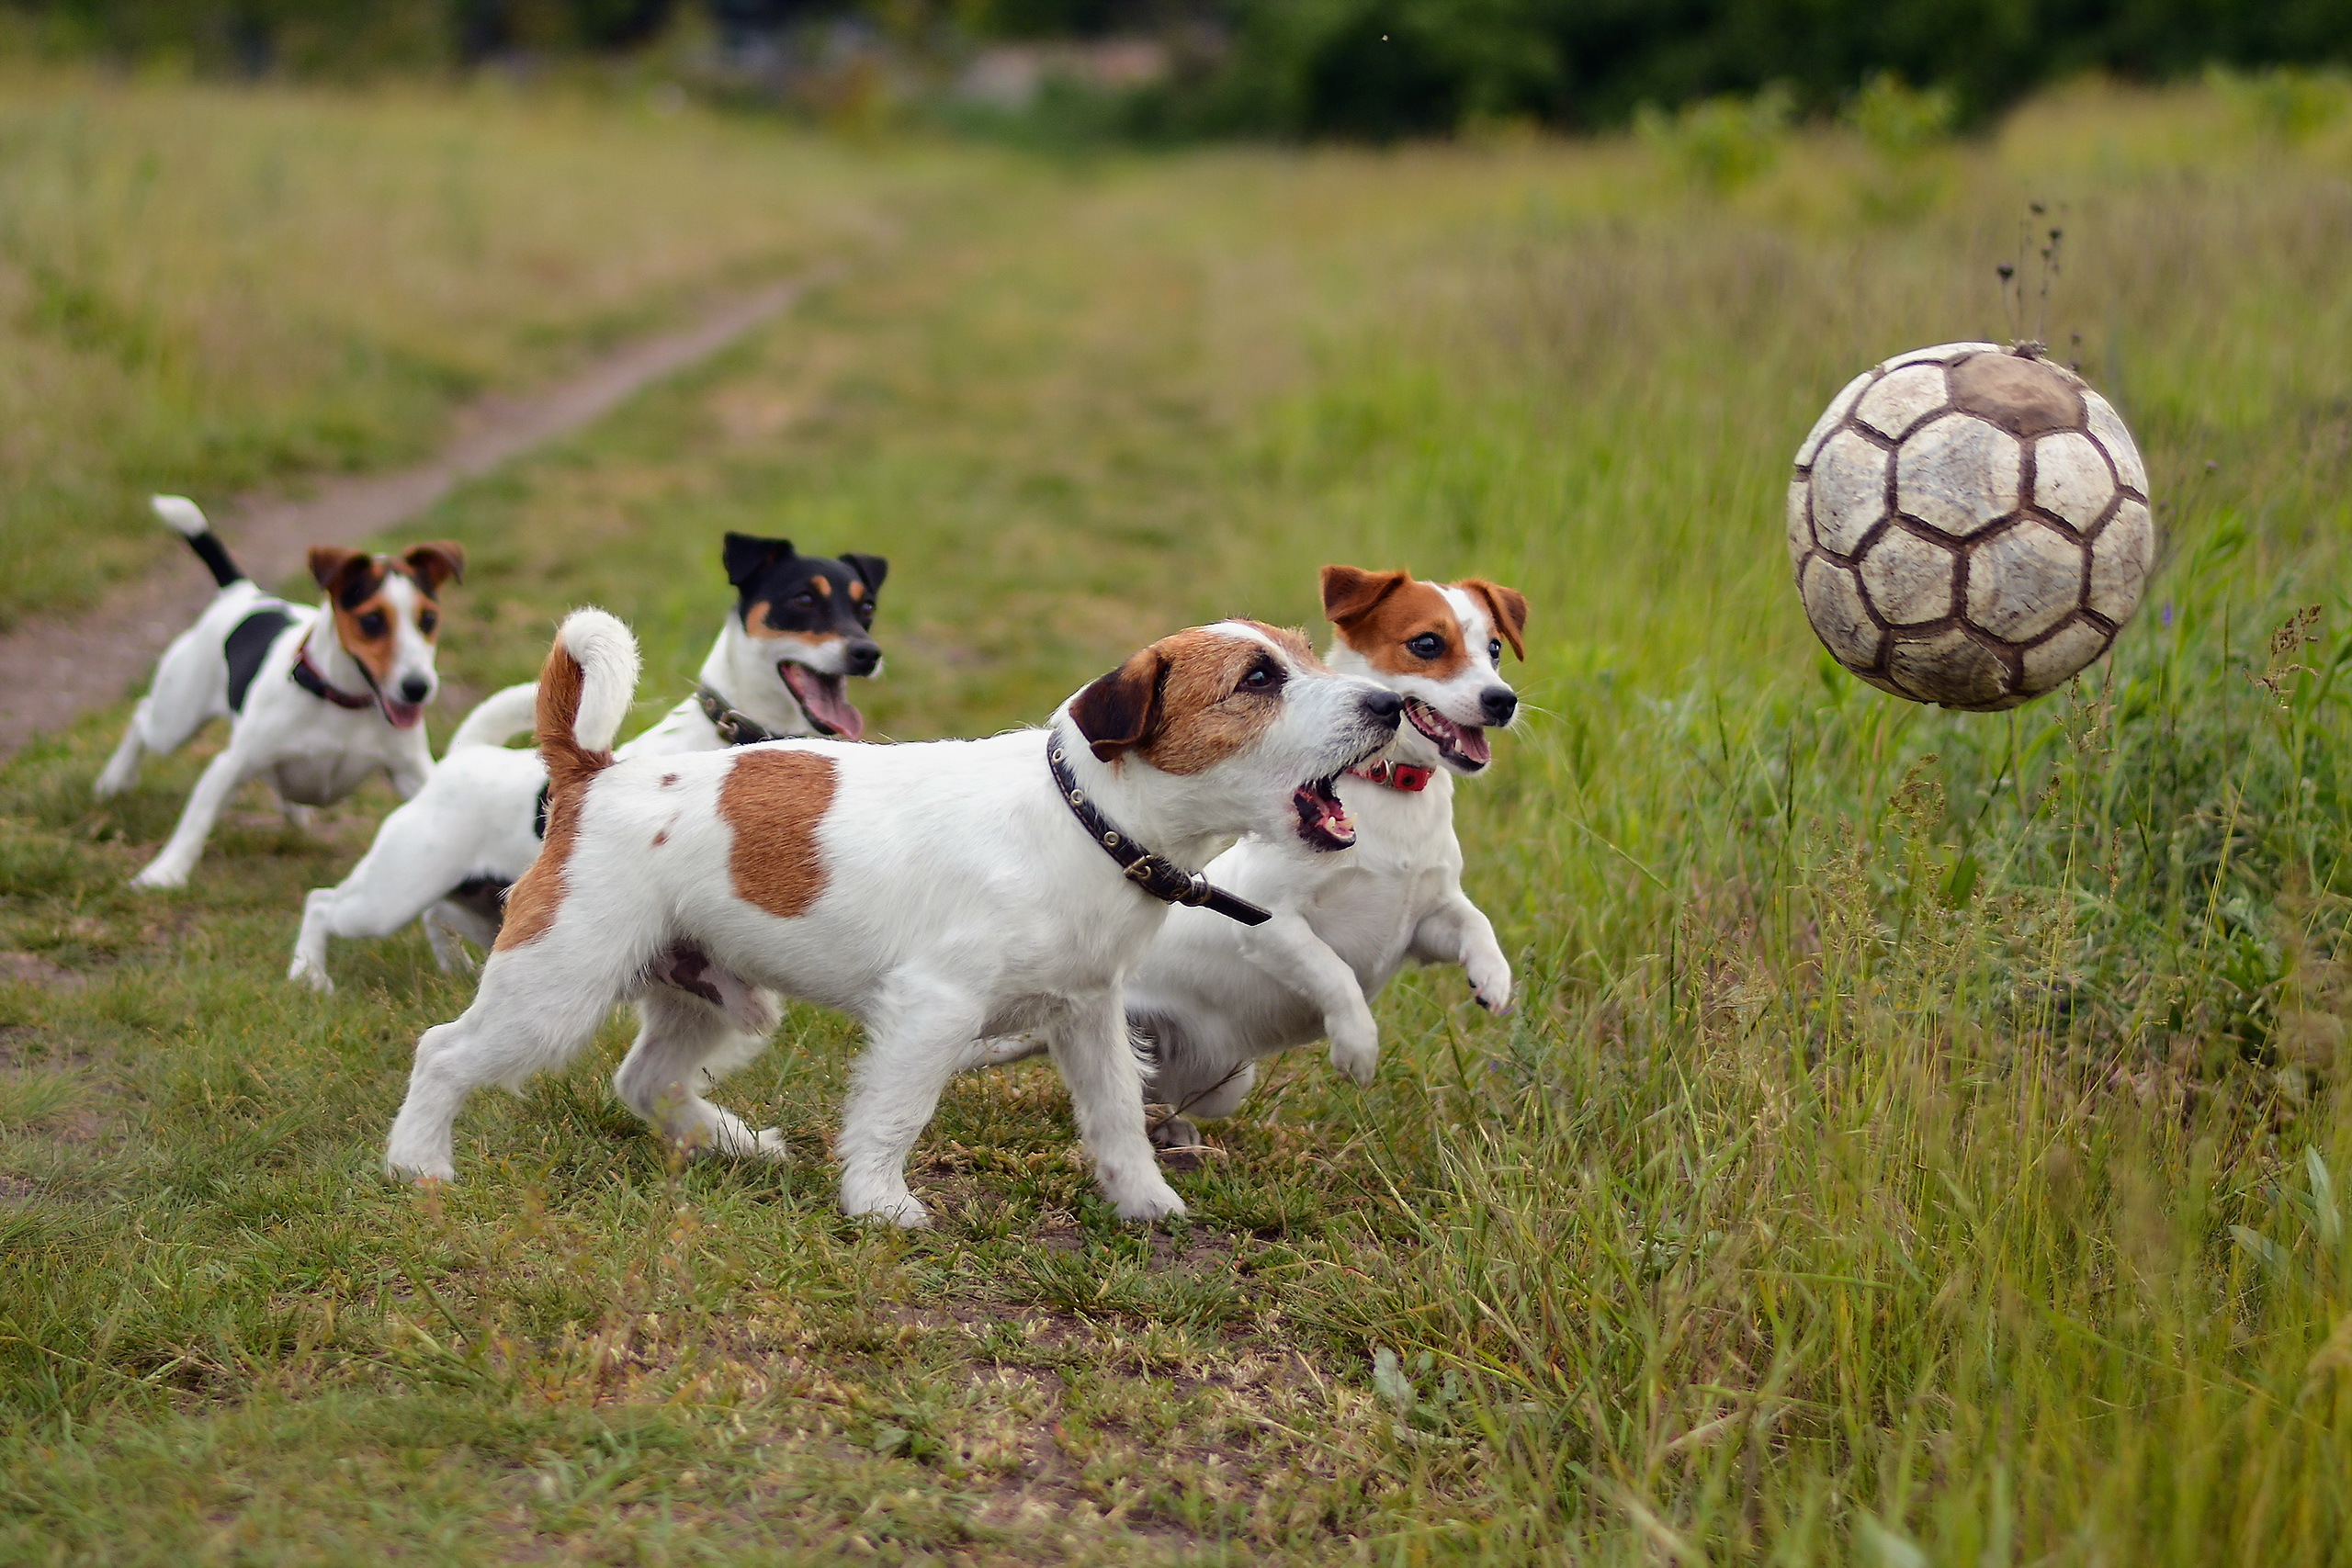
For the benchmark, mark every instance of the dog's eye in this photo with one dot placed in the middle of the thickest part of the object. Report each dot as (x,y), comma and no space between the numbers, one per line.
(800,602)
(864,612)
(1495,650)
(426,622)
(1261,678)
(371,625)
(1429,645)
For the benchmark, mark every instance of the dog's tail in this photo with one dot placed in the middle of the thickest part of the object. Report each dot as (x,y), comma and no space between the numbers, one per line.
(584,693)
(499,718)
(183,517)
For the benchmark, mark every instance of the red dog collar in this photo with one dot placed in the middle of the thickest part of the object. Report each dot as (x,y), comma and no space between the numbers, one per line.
(1395,776)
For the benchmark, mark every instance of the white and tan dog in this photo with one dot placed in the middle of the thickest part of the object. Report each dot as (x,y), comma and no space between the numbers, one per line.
(941,893)
(318,698)
(799,629)
(1214,997)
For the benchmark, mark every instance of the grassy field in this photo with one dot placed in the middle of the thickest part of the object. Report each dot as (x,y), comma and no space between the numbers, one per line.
(208,291)
(1921,1136)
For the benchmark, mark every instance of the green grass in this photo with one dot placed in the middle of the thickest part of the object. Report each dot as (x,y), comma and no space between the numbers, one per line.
(1922,1136)
(210,291)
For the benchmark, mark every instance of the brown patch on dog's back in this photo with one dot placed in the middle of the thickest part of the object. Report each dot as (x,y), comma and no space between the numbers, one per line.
(1379,613)
(774,801)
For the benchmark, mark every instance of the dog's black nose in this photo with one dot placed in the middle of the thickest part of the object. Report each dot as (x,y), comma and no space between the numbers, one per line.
(1384,706)
(415,688)
(1498,702)
(863,657)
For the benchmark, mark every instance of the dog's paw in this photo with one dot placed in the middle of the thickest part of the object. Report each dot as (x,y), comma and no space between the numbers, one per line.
(1150,1204)
(1490,984)
(744,1144)
(302,972)
(902,1210)
(160,876)
(427,1173)
(1355,1050)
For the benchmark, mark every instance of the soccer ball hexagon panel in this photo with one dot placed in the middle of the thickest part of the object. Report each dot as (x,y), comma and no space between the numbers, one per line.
(1969,526)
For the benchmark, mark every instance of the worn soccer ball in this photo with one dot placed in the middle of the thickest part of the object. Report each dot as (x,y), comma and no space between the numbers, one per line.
(1970,525)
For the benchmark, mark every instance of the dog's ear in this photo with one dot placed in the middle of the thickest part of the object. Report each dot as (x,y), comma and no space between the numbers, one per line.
(348,576)
(436,562)
(1507,607)
(872,569)
(1350,592)
(1122,710)
(746,556)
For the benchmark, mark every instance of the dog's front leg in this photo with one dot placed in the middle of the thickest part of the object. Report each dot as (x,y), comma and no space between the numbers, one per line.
(171,868)
(1457,932)
(1098,1063)
(1287,948)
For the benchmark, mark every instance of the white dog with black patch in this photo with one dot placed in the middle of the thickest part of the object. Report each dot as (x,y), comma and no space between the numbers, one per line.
(318,699)
(941,893)
(1213,998)
(800,628)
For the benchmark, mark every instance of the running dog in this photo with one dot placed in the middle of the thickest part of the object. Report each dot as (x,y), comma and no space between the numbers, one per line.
(317,699)
(801,627)
(1212,997)
(941,893)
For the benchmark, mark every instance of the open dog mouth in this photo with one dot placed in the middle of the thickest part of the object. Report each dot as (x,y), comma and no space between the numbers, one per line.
(400,716)
(1461,743)
(823,699)
(1323,823)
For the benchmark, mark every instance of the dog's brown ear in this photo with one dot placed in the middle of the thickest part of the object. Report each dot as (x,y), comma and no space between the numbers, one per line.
(436,562)
(1350,592)
(1121,710)
(348,576)
(1507,607)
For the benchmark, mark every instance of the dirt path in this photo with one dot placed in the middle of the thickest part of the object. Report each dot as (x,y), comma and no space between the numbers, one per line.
(53,668)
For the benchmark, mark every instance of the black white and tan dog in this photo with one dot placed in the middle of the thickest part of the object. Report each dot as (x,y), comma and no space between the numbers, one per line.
(800,627)
(318,698)
(942,893)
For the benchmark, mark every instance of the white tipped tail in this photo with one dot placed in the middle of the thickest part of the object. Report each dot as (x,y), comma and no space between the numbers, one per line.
(499,718)
(180,514)
(607,655)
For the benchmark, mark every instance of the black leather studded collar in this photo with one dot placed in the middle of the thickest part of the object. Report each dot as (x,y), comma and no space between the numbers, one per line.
(1156,875)
(734,727)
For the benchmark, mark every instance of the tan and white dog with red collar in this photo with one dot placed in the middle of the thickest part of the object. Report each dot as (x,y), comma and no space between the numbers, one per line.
(942,893)
(1212,997)
(801,627)
(319,698)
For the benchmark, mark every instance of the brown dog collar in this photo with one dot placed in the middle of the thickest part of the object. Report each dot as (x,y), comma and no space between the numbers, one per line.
(306,675)
(1156,875)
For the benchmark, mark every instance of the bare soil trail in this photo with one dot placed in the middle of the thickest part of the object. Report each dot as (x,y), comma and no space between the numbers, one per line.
(53,668)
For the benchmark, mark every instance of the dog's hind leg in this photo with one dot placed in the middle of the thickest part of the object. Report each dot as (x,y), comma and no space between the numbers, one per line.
(684,1043)
(122,768)
(921,1034)
(538,1007)
(448,926)
(1097,1059)
(415,861)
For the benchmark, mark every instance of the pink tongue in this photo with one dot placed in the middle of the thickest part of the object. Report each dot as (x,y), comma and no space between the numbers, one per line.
(404,715)
(821,698)
(1472,743)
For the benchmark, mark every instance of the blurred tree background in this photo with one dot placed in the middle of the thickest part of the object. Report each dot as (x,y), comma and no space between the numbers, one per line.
(1369,70)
